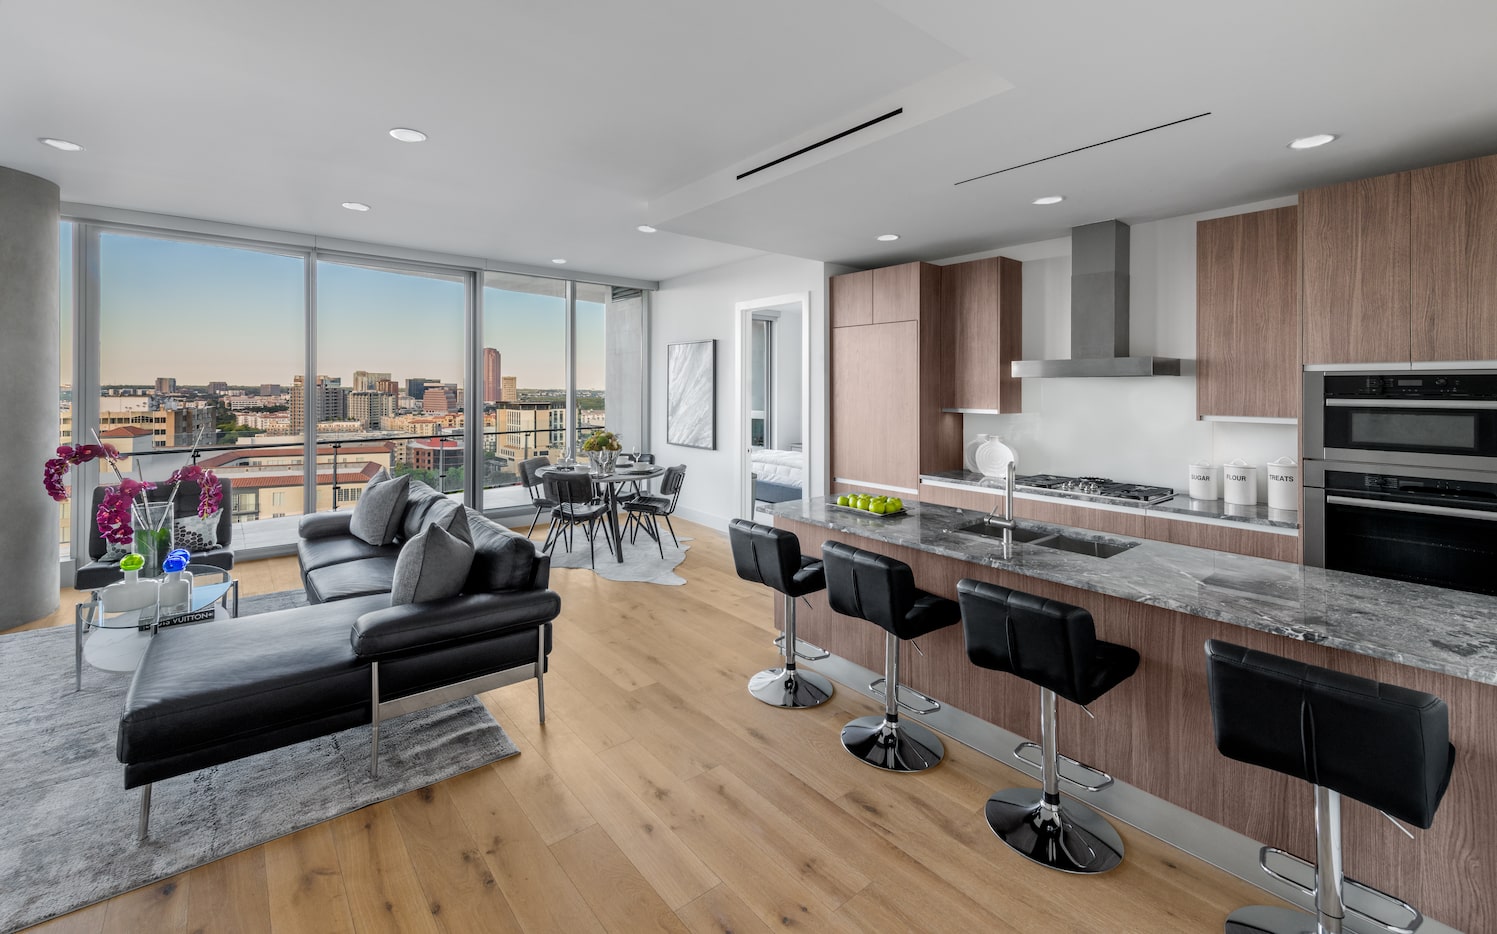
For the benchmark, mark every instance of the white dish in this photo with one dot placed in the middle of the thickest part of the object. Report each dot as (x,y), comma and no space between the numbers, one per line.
(992,458)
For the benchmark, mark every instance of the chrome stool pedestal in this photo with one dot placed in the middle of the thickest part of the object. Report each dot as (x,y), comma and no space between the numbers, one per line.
(787,685)
(886,742)
(763,554)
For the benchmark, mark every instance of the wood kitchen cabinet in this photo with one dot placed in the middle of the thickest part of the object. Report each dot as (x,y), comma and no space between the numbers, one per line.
(982,302)
(1453,261)
(1247,315)
(886,420)
(1354,240)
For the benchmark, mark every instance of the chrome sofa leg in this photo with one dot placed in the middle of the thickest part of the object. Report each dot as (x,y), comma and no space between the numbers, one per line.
(374,719)
(540,669)
(143,830)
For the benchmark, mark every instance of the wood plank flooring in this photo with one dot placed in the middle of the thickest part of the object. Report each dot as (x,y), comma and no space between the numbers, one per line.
(659,796)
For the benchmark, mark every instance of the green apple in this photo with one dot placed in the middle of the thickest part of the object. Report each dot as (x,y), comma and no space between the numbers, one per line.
(843,500)
(896,504)
(878,509)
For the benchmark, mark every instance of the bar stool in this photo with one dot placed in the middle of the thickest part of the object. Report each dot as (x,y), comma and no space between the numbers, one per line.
(766,555)
(1055,646)
(882,591)
(1381,744)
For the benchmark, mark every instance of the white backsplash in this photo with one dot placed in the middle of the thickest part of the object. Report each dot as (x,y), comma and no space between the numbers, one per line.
(1138,430)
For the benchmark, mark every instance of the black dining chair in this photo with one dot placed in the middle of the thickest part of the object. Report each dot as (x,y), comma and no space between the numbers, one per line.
(530,477)
(646,510)
(576,504)
(637,488)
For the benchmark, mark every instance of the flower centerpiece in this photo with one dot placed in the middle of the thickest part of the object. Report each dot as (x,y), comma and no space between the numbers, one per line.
(126,518)
(602,449)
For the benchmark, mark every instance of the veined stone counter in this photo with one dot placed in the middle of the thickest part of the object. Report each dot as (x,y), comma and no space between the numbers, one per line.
(1441,630)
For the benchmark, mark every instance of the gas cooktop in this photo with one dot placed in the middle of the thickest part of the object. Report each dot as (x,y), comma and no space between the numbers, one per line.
(1094,488)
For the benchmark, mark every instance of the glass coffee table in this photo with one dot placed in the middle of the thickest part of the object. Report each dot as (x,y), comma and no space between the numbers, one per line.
(117,641)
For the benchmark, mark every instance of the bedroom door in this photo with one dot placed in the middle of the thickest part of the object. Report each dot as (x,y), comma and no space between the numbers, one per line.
(774,397)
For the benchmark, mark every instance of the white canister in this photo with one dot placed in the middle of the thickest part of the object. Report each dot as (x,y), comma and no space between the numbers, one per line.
(1240,483)
(1283,484)
(1205,481)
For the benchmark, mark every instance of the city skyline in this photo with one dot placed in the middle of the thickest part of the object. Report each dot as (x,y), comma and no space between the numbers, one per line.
(157,294)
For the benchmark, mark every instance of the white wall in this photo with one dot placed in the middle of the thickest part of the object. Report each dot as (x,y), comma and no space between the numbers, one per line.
(1140,430)
(700,306)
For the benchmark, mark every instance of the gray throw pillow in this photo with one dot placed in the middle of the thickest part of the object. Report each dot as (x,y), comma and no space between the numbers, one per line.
(451,516)
(377,514)
(431,566)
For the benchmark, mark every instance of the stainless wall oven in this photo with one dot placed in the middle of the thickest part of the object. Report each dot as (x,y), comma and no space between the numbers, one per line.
(1400,476)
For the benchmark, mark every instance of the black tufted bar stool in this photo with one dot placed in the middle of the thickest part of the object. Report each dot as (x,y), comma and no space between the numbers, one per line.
(766,555)
(1381,744)
(1055,646)
(882,591)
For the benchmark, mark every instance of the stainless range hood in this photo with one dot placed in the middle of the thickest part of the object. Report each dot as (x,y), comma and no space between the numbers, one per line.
(1099,312)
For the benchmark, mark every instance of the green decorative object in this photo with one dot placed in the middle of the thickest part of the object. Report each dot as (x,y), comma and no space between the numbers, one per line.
(152,526)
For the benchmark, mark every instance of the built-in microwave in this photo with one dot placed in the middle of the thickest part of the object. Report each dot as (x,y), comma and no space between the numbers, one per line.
(1443,420)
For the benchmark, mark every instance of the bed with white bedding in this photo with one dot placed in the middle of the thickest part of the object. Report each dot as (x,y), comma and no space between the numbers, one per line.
(779,476)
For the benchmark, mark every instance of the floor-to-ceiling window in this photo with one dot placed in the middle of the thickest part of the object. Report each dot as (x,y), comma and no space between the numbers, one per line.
(525,386)
(390,380)
(592,361)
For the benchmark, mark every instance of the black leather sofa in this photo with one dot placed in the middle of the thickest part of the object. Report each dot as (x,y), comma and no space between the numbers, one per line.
(213,693)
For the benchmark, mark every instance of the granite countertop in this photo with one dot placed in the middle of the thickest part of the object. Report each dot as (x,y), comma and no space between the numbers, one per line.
(1182,506)
(1448,631)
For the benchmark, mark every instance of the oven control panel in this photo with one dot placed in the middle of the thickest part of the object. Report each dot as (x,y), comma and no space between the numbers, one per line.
(1412,386)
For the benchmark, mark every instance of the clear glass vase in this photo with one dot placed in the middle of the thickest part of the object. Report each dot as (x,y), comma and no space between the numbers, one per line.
(153,524)
(603,461)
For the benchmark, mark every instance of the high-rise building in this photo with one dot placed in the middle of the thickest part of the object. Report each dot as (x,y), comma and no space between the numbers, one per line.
(389,386)
(491,391)
(218,387)
(366,380)
(327,394)
(166,384)
(416,386)
(509,389)
(439,397)
(271,389)
(370,408)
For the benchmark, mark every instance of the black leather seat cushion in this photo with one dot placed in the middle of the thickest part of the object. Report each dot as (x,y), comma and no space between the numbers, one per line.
(351,579)
(314,553)
(878,588)
(1047,642)
(1384,745)
(502,560)
(766,555)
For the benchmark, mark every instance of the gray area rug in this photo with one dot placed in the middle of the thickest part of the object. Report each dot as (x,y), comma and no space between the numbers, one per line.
(642,562)
(69,825)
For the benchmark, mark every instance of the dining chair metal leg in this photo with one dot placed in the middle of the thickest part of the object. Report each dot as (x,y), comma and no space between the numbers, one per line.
(552,533)
(658,543)
(668,525)
(535,521)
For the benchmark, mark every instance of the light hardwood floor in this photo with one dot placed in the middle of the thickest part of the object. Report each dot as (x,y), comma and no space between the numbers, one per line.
(659,796)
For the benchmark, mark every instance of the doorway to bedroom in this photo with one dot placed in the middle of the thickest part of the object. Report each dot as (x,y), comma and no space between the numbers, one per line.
(773,402)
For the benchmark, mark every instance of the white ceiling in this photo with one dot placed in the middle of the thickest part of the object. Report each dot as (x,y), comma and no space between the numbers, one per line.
(557,127)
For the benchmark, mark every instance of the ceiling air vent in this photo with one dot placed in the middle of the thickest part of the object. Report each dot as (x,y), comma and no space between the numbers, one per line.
(830,139)
(1076,150)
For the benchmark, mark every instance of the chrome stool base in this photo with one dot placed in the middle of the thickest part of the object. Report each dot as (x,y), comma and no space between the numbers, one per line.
(1262,919)
(1070,837)
(795,688)
(899,746)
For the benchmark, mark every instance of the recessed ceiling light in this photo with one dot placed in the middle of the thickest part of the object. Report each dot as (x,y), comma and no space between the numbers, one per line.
(1310,142)
(62,144)
(408,135)
(356,205)
(1050,199)
(559,261)
(888,238)
(645,228)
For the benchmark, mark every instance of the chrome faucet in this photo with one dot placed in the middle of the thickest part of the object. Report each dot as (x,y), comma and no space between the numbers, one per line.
(1007,522)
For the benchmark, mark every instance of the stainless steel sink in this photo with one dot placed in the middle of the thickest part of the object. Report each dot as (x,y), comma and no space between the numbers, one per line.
(1079,546)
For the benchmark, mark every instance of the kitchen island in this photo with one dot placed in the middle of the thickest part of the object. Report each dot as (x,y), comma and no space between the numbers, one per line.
(1154,731)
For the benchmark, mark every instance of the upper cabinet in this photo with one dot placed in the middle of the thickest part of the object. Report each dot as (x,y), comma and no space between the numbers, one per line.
(1355,245)
(982,302)
(1247,315)
(1453,261)
(852,299)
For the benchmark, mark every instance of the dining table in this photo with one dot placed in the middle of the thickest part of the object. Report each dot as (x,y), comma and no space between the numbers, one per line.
(609,484)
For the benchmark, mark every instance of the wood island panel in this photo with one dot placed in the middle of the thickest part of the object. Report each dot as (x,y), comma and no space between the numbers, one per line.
(1154,731)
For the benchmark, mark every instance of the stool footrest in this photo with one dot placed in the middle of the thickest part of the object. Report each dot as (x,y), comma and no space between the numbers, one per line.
(931,704)
(1037,763)
(1364,893)
(820,653)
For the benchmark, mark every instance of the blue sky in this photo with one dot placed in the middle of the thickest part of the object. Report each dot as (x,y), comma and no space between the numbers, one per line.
(201,312)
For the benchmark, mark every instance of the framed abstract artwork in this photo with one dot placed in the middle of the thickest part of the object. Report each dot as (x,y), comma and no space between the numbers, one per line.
(691,394)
